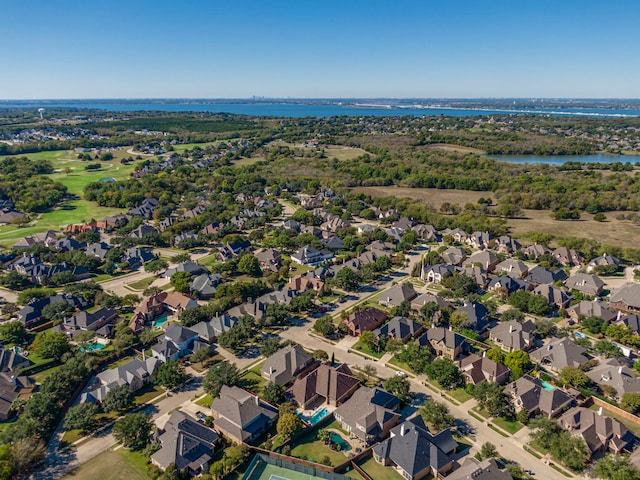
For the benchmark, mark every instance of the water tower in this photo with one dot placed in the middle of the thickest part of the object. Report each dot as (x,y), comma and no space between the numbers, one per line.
(41,112)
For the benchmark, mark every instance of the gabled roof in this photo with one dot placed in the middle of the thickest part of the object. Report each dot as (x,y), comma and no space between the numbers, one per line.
(397,294)
(612,373)
(534,397)
(481,369)
(185,443)
(560,353)
(326,381)
(425,298)
(598,431)
(514,335)
(179,334)
(594,308)
(585,283)
(473,469)
(632,321)
(414,449)
(539,275)
(398,327)
(239,412)
(627,295)
(440,334)
(477,315)
(283,365)
(369,408)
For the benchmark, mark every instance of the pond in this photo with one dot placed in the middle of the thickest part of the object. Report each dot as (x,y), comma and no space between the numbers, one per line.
(562,159)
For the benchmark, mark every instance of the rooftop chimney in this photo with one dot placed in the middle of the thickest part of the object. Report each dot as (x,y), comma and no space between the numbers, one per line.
(257,399)
(620,370)
(511,328)
(402,430)
(600,411)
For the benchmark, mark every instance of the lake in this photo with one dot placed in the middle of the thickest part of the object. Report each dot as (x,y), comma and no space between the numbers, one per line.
(562,159)
(322,110)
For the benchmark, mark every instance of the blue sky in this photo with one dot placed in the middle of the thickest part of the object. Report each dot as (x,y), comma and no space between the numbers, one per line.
(320,48)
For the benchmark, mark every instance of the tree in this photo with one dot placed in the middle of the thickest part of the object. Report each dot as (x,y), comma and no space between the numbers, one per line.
(180,281)
(523,416)
(81,417)
(325,326)
(223,373)
(13,332)
(147,336)
(518,362)
(570,450)
(490,396)
(16,281)
(84,336)
(270,346)
(133,430)
(155,266)
(495,354)
(616,467)
(200,355)
(56,311)
(573,376)
(428,311)
(347,279)
(50,344)
(631,402)
(543,430)
(170,374)
(444,371)
(459,320)
(437,415)
(288,425)
(324,436)
(608,349)
(118,399)
(369,339)
(487,450)
(512,314)
(273,393)
(545,328)
(123,338)
(399,386)
(250,265)
(594,325)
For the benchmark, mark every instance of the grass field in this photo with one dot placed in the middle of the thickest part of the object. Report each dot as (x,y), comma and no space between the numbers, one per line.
(143,283)
(343,153)
(434,196)
(112,465)
(376,471)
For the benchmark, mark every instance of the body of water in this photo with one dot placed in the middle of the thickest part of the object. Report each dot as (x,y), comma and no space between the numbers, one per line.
(562,159)
(297,110)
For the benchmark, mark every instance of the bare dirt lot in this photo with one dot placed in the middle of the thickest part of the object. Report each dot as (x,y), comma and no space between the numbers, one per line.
(433,196)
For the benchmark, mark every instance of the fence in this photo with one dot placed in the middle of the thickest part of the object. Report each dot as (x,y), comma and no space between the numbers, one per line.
(618,411)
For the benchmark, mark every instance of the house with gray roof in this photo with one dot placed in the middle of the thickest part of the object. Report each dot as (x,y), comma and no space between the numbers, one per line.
(444,342)
(513,335)
(188,266)
(309,255)
(477,316)
(591,308)
(585,283)
(602,261)
(186,443)
(560,353)
(454,255)
(631,320)
(535,250)
(474,469)
(626,298)
(286,364)
(205,285)
(540,276)
(558,296)
(99,249)
(177,341)
(435,273)
(485,258)
(568,257)
(512,267)
(420,301)
(241,416)
(599,432)
(507,245)
(397,294)
(478,369)
(142,230)
(401,328)
(617,376)
(328,384)
(415,452)
(135,374)
(11,360)
(89,320)
(530,394)
(369,414)
(508,284)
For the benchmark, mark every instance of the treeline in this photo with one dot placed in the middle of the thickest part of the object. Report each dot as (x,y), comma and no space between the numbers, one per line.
(21,180)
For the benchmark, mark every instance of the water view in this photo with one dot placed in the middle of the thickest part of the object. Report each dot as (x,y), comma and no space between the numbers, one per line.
(562,159)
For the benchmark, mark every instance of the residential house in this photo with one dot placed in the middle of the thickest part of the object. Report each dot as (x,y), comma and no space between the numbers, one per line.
(513,335)
(591,308)
(145,209)
(400,328)
(241,416)
(479,240)
(420,301)
(477,274)
(600,433)
(12,388)
(45,238)
(457,234)
(302,283)
(585,283)
(185,443)
(269,259)
(136,257)
(485,258)
(364,320)
(415,452)
(99,250)
(454,256)
(135,374)
(286,364)
(559,353)
(568,257)
(444,342)
(382,249)
(477,316)
(403,224)
(435,273)
(176,342)
(31,313)
(333,243)
(478,369)
(512,267)
(530,394)
(327,384)
(309,255)
(93,321)
(626,298)
(558,296)
(205,285)
(507,284)
(142,230)
(540,276)
(188,267)
(11,360)
(178,302)
(507,245)
(426,233)
(394,296)
(631,320)
(369,414)
(534,251)
(615,375)
(602,261)
(474,469)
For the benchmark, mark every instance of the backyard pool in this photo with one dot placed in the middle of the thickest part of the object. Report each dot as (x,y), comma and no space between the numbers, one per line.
(316,417)
(158,322)
(92,347)
(338,440)
(547,386)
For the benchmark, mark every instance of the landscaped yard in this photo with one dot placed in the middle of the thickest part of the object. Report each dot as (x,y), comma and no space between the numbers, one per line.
(507,425)
(142,283)
(146,394)
(361,347)
(313,450)
(376,471)
(459,394)
(112,465)
(205,401)
(481,411)
(253,381)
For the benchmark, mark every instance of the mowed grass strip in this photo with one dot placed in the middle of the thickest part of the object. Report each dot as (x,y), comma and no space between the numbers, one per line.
(112,465)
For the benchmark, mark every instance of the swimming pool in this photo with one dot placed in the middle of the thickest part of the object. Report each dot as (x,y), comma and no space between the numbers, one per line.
(547,386)
(316,417)
(158,322)
(92,347)
(338,440)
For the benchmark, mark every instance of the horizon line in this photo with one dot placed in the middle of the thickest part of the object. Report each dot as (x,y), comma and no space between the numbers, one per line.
(265,98)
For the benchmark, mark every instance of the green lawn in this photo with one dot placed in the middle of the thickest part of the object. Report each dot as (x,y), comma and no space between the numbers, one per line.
(112,465)
(313,450)
(459,394)
(509,426)
(377,471)
(205,401)
(146,394)
(481,411)
(361,347)
(143,283)
(394,361)
(253,381)
(209,261)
